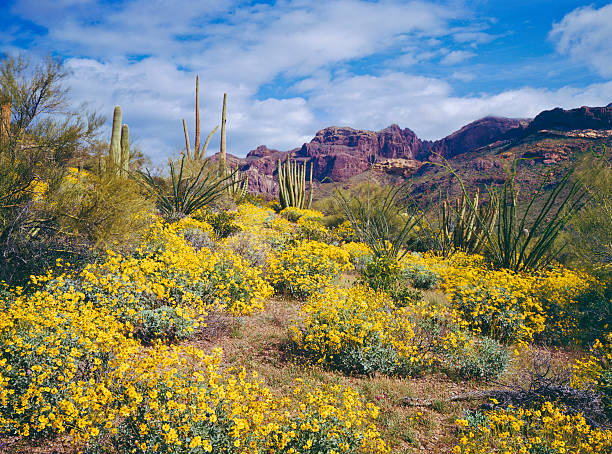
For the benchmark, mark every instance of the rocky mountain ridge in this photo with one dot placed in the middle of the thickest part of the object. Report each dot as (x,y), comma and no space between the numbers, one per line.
(339,153)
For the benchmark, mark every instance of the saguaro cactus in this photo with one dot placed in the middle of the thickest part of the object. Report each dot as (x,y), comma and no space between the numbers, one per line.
(222,152)
(119,151)
(198,153)
(292,184)
(125,150)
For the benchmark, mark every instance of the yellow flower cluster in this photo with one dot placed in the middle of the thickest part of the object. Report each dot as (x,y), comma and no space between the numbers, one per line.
(294,214)
(359,322)
(66,367)
(167,271)
(504,304)
(307,268)
(360,253)
(588,372)
(522,431)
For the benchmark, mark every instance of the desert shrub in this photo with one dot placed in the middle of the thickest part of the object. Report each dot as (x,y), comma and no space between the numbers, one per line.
(547,429)
(162,323)
(312,229)
(294,214)
(507,305)
(595,372)
(359,330)
(360,254)
(421,277)
(222,222)
(307,268)
(477,357)
(251,248)
(381,218)
(344,232)
(382,273)
(66,366)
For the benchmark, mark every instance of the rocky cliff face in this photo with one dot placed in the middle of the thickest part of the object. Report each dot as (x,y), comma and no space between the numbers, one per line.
(597,118)
(339,153)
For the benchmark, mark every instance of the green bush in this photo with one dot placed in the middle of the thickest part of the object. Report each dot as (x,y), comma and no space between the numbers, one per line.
(479,358)
(376,358)
(162,323)
(421,277)
(382,273)
(222,222)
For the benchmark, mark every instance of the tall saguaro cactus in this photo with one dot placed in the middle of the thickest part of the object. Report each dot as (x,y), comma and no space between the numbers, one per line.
(119,152)
(198,153)
(222,151)
(292,184)
(125,150)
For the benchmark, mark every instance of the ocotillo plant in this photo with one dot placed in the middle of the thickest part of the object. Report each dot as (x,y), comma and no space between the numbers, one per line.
(198,153)
(119,151)
(292,184)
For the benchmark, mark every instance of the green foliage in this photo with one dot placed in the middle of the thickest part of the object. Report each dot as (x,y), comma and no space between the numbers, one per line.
(526,240)
(222,222)
(382,273)
(292,184)
(605,388)
(384,222)
(421,277)
(186,194)
(375,357)
(40,140)
(479,357)
(162,323)
(591,231)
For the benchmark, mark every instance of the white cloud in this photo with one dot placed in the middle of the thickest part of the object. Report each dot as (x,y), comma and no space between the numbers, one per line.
(144,56)
(429,107)
(585,35)
(456,56)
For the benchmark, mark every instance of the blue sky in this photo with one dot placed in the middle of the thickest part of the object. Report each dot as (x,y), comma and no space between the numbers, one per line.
(292,67)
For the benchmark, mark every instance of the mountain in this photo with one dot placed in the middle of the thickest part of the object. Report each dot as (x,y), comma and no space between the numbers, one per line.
(341,153)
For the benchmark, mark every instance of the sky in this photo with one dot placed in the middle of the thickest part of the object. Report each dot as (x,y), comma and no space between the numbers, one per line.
(293,67)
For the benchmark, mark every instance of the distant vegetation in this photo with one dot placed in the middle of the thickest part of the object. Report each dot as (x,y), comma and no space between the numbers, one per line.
(478,322)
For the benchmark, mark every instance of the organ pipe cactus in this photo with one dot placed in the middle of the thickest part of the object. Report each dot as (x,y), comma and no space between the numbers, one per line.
(238,184)
(292,184)
(460,227)
(119,151)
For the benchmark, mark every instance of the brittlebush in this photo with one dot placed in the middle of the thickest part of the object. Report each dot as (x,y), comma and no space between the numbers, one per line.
(547,429)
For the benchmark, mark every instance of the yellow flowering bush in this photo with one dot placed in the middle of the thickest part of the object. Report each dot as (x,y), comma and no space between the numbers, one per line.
(66,367)
(294,214)
(360,254)
(595,372)
(361,330)
(504,304)
(547,429)
(307,268)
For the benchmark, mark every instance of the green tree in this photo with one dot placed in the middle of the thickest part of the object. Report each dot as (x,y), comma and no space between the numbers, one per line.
(43,135)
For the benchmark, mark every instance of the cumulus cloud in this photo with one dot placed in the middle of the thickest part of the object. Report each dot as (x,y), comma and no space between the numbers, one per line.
(585,34)
(144,56)
(429,107)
